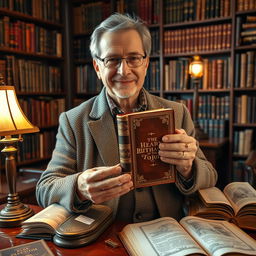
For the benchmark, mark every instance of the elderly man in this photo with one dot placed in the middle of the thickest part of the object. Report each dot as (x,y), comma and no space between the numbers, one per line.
(85,168)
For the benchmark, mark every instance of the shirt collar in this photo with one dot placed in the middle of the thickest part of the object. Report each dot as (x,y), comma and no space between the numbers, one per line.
(142,104)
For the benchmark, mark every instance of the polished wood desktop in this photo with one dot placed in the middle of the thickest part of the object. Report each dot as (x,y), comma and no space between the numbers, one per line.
(8,239)
(98,247)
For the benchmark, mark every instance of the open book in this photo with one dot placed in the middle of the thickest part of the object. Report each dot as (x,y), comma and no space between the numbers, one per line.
(237,203)
(192,236)
(67,229)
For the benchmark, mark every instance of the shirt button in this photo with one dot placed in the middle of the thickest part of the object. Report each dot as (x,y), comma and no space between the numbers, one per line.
(138,216)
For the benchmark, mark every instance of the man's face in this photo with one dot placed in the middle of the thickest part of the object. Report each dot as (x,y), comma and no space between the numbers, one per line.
(122,82)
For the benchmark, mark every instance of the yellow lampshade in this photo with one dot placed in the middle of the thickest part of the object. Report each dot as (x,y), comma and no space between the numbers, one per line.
(12,119)
(196,67)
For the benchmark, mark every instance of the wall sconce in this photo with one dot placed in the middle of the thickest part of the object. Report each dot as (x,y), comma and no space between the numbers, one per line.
(196,72)
(12,122)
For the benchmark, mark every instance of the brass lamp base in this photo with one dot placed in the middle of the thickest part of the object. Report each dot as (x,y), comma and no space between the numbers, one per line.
(14,213)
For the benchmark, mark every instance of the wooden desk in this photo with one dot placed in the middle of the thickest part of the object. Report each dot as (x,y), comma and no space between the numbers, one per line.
(8,239)
(216,151)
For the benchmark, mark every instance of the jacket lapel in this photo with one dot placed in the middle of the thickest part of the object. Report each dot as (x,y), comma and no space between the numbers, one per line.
(103,131)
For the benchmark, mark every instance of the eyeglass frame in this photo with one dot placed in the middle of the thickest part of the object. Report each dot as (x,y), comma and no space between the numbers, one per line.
(143,57)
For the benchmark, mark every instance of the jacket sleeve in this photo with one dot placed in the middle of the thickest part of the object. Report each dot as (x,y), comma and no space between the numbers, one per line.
(204,174)
(58,181)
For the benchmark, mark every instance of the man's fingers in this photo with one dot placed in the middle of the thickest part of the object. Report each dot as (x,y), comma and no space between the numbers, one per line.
(102,173)
(108,194)
(112,182)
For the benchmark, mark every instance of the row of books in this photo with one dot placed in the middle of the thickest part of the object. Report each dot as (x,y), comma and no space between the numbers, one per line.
(87,80)
(192,10)
(188,102)
(213,107)
(81,48)
(147,10)
(243,142)
(202,38)
(245,5)
(246,30)
(41,9)
(176,75)
(88,16)
(28,37)
(245,66)
(36,146)
(210,106)
(214,128)
(245,109)
(152,80)
(42,111)
(30,75)
(216,74)
(155,50)
(213,123)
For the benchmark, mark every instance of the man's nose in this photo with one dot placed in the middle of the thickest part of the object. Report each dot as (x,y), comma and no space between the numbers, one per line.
(123,68)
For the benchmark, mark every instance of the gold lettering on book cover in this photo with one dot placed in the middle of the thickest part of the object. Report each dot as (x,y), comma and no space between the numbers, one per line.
(148,146)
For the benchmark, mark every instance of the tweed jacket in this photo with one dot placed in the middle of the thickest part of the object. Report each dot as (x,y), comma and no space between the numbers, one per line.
(87,138)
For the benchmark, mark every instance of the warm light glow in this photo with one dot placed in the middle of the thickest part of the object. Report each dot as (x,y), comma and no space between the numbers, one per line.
(12,119)
(6,123)
(196,67)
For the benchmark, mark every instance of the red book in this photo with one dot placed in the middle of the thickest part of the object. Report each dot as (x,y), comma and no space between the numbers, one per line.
(139,135)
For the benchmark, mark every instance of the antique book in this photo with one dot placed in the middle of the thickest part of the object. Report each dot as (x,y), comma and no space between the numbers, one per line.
(237,203)
(139,135)
(191,236)
(67,229)
(35,248)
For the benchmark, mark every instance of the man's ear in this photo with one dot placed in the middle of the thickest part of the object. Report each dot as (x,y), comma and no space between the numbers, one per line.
(96,68)
(146,63)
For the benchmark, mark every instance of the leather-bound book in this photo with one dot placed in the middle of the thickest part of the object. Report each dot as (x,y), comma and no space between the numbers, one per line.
(139,135)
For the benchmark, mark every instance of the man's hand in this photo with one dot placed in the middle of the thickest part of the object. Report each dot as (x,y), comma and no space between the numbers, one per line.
(102,184)
(179,149)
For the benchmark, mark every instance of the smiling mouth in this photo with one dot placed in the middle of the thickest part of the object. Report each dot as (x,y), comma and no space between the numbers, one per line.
(124,81)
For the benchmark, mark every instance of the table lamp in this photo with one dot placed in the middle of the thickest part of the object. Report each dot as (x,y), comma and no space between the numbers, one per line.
(196,72)
(12,122)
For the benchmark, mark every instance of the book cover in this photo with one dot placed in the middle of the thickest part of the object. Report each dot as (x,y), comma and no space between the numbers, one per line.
(139,135)
(36,248)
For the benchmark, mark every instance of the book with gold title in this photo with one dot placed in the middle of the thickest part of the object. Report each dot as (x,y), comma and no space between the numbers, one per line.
(139,135)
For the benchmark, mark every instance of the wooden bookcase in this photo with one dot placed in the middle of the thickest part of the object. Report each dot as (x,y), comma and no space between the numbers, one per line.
(32,50)
(167,20)
(210,31)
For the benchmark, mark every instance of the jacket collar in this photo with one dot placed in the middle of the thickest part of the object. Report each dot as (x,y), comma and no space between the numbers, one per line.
(102,126)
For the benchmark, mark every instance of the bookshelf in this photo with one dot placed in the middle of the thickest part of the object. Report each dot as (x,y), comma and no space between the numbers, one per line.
(244,88)
(62,76)
(32,59)
(213,30)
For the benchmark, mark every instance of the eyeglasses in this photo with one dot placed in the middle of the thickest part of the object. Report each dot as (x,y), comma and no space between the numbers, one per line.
(133,61)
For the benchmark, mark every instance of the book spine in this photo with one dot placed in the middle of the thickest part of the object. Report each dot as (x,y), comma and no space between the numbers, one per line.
(124,143)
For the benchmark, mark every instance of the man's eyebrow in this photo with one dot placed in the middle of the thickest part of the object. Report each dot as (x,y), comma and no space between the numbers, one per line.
(135,53)
(120,56)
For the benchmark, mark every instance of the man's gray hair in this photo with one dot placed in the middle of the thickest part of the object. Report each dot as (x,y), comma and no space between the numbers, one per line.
(117,22)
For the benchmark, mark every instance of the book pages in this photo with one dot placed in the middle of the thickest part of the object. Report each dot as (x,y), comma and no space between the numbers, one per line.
(219,237)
